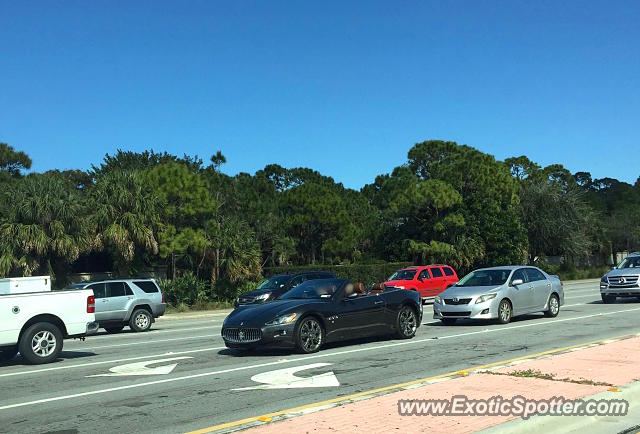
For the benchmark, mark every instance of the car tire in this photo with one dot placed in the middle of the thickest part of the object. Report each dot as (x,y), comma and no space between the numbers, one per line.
(40,343)
(7,354)
(505,311)
(608,299)
(140,320)
(114,329)
(309,335)
(554,306)
(406,323)
(448,321)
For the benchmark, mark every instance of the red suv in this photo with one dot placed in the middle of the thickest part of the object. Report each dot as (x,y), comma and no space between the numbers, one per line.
(428,280)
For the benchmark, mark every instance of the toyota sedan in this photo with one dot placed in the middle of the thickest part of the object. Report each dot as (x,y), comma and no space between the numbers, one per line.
(500,293)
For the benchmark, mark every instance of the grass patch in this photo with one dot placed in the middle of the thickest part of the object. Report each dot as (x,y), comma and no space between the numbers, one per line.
(532,373)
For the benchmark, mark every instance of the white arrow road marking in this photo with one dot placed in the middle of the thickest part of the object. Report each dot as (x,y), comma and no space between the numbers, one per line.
(141,368)
(286,378)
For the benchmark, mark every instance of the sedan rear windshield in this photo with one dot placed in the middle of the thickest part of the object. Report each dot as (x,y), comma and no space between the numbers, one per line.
(485,278)
(403,275)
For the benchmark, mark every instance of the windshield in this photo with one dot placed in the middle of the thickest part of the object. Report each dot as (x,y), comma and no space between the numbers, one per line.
(403,275)
(485,278)
(630,262)
(314,289)
(274,282)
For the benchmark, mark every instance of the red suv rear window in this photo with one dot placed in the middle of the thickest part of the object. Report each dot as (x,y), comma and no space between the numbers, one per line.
(448,271)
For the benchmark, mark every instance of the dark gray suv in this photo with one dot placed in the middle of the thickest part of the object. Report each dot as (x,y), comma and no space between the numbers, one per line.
(126,302)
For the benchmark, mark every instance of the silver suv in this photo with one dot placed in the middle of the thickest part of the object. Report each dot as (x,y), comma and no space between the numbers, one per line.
(126,302)
(623,280)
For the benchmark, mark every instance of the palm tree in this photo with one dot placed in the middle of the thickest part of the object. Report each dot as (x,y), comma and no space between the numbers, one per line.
(125,216)
(43,227)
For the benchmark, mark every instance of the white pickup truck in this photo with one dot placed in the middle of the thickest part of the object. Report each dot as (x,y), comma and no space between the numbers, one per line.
(35,324)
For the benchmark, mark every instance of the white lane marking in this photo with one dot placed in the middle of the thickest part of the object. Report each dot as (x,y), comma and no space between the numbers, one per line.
(188,338)
(286,378)
(297,359)
(142,368)
(108,362)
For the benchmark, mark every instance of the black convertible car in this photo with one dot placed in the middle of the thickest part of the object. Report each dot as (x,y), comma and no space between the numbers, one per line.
(320,311)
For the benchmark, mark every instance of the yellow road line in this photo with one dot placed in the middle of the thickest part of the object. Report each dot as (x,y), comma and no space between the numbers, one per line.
(269,416)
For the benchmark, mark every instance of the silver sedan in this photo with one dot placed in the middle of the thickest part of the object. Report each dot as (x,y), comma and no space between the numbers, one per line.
(500,293)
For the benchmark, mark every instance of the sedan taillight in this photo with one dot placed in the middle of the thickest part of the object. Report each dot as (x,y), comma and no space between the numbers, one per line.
(91,304)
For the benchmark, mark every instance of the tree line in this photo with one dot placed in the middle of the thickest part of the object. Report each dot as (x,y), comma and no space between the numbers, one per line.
(448,203)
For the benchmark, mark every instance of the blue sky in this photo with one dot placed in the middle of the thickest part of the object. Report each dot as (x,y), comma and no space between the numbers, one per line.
(343,87)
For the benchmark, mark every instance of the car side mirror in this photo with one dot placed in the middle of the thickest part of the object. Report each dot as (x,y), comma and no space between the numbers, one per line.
(517,282)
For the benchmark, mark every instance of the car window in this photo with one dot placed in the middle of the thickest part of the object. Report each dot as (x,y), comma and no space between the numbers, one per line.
(147,286)
(297,281)
(424,274)
(127,288)
(448,271)
(115,289)
(315,289)
(535,275)
(436,272)
(494,277)
(98,290)
(520,274)
(403,275)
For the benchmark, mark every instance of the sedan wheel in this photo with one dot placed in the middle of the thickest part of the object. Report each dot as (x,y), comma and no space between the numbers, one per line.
(554,306)
(407,323)
(504,312)
(310,335)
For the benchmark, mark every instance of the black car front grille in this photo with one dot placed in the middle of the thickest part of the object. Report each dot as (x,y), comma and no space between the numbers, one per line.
(466,313)
(456,302)
(623,281)
(241,336)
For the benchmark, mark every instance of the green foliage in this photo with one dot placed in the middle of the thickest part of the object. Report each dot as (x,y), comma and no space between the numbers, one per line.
(44,226)
(448,203)
(12,162)
(126,217)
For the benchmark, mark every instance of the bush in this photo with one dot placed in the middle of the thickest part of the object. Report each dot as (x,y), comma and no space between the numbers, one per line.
(185,290)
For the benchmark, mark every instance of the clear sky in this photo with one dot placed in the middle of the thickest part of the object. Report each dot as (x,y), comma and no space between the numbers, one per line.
(344,87)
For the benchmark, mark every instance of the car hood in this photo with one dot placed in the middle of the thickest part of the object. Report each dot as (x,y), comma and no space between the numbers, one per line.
(398,282)
(617,272)
(471,291)
(257,292)
(257,315)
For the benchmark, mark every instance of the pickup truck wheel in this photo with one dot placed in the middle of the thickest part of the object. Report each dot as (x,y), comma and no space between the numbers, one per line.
(114,329)
(607,299)
(8,353)
(140,320)
(40,343)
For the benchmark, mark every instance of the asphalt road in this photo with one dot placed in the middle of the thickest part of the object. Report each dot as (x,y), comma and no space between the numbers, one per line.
(94,387)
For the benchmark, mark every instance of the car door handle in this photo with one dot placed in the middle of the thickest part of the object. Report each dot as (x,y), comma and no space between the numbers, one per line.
(379,302)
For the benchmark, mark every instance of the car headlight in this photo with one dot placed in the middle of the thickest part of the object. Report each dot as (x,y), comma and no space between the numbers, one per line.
(485,297)
(437,299)
(282,320)
(604,279)
(399,287)
(263,297)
